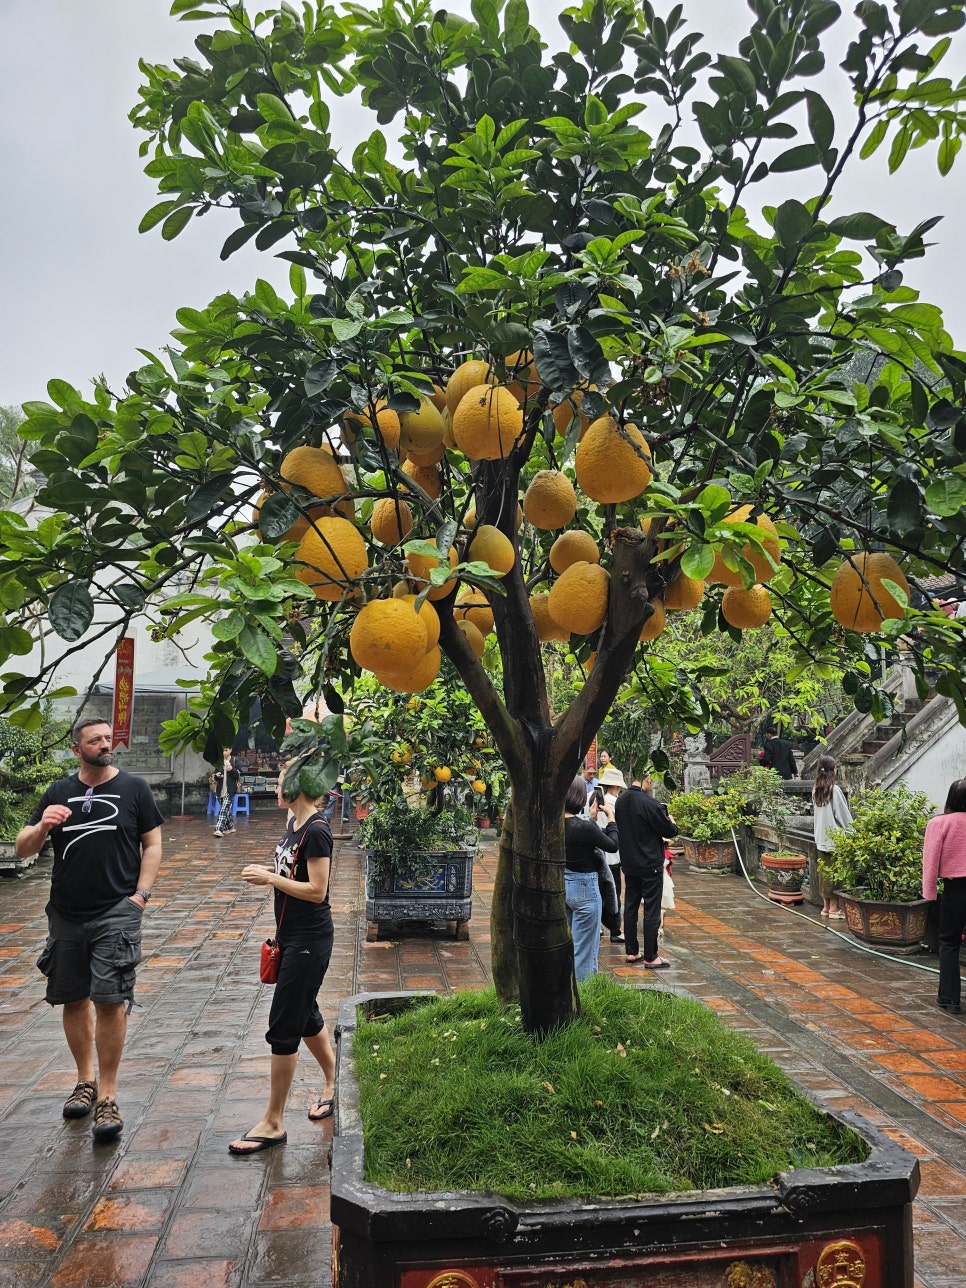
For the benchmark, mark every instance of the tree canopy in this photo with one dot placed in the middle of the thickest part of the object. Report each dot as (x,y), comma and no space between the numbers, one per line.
(652,332)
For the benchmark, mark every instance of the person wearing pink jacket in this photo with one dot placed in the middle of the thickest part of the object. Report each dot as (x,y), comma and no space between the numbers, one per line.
(944,855)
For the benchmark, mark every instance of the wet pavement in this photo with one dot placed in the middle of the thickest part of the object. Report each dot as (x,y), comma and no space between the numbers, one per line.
(166,1206)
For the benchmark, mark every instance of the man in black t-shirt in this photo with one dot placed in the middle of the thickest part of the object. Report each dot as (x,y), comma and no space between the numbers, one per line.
(642,826)
(106,832)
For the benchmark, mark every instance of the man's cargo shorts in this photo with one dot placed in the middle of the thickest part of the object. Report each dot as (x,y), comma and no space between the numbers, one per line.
(95,959)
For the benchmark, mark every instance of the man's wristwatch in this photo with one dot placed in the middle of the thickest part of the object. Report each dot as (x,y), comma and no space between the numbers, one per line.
(145,895)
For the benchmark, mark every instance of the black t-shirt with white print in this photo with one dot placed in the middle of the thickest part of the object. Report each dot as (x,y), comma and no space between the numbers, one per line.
(97,852)
(312,840)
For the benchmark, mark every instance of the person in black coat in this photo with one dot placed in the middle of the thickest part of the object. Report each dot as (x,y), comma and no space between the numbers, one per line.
(777,754)
(226,786)
(643,824)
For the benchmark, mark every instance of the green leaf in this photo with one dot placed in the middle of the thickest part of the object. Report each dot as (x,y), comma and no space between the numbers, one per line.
(176,222)
(697,561)
(946,496)
(272,108)
(71,610)
(904,509)
(201,500)
(157,213)
(821,122)
(793,222)
(862,226)
(800,158)
(258,649)
(316,778)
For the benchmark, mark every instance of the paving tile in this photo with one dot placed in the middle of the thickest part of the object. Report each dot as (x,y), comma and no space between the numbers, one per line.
(132,1213)
(294,1207)
(120,1262)
(207,1234)
(941,1180)
(207,1273)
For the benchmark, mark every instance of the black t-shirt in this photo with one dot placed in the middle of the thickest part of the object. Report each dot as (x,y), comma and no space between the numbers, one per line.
(643,824)
(312,840)
(97,853)
(582,838)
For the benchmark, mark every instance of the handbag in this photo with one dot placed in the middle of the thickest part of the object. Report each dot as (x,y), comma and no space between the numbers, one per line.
(270,961)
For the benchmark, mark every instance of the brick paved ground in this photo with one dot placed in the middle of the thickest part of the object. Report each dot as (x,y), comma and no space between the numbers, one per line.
(167,1207)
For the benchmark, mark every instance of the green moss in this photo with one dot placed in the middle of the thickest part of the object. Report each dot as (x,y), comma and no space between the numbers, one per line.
(647,1093)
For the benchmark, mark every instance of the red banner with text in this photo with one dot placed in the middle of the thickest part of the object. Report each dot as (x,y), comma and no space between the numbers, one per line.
(123,694)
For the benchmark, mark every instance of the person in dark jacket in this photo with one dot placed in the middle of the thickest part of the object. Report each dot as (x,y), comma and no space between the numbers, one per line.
(777,754)
(582,839)
(227,779)
(643,824)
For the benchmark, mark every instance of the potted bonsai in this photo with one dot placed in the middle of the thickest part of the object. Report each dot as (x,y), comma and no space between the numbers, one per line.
(705,825)
(764,799)
(877,867)
(419,866)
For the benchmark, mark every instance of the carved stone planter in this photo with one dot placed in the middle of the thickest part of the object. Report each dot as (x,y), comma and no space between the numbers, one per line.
(897,925)
(710,856)
(784,875)
(835,1227)
(442,890)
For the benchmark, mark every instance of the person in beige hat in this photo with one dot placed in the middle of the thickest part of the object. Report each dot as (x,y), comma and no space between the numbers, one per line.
(611,782)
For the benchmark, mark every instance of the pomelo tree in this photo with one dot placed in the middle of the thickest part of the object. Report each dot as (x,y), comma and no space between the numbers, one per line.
(728,404)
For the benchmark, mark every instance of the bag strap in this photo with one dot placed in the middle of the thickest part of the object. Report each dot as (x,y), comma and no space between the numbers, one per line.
(317,818)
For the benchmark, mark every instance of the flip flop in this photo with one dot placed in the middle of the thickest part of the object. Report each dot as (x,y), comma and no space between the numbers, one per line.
(327,1107)
(661,964)
(260,1143)
(633,960)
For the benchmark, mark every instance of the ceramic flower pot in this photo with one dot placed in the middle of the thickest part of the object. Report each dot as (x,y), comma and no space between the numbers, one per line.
(875,921)
(784,876)
(441,890)
(710,856)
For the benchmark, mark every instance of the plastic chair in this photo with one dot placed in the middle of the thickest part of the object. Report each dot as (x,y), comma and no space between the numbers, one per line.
(241,805)
(214,805)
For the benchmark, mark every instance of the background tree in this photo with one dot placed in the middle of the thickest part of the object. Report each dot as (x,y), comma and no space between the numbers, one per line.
(14,478)
(519,209)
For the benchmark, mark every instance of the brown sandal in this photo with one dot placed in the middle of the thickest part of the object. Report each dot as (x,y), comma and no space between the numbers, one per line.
(107,1120)
(80,1102)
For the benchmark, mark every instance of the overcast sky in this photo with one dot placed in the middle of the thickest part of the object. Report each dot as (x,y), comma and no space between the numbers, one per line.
(82,289)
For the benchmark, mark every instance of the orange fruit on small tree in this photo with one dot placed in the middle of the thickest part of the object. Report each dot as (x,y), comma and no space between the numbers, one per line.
(492,547)
(473,606)
(442,773)
(421,567)
(656,623)
(746,609)
(684,592)
(487,423)
(578,599)
(572,547)
(387,635)
(758,559)
(391,521)
(858,598)
(473,637)
(612,463)
(550,501)
(547,628)
(467,376)
(331,555)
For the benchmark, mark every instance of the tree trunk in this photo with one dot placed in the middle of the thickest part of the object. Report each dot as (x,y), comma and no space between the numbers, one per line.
(503,953)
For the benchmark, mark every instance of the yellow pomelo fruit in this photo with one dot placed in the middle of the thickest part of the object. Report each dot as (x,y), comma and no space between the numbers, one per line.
(575,546)
(858,599)
(387,635)
(420,568)
(466,377)
(391,521)
(428,479)
(746,609)
(610,465)
(438,398)
(430,619)
(425,459)
(487,423)
(333,555)
(491,547)
(655,623)
(386,426)
(402,755)
(763,569)
(416,680)
(443,773)
(472,606)
(478,786)
(401,589)
(318,472)
(550,501)
(547,628)
(683,592)
(473,637)
(427,782)
(578,599)
(421,430)
(521,375)
(448,439)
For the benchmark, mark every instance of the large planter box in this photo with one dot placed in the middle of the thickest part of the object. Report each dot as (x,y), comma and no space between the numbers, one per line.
(710,856)
(441,891)
(899,925)
(837,1227)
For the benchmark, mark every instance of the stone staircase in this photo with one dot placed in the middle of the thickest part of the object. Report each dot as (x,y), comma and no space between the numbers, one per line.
(882,754)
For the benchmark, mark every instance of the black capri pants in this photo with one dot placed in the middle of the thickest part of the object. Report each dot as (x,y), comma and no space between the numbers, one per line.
(295,1013)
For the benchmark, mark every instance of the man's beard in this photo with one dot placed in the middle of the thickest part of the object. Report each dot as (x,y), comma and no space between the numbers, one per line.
(102,758)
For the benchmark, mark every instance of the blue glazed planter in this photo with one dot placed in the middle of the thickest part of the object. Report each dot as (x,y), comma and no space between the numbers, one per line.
(442,890)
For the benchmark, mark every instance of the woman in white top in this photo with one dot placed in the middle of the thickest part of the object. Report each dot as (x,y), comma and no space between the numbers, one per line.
(831,811)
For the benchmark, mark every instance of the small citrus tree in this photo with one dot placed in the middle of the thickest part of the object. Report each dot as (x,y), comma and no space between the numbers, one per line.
(530,303)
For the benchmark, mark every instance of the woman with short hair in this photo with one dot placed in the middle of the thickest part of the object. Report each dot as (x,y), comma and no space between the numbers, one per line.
(582,839)
(303,931)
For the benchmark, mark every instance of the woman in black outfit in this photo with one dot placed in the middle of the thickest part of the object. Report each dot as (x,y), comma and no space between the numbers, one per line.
(582,838)
(303,922)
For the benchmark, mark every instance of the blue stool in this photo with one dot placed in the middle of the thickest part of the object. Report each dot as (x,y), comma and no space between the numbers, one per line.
(241,805)
(214,805)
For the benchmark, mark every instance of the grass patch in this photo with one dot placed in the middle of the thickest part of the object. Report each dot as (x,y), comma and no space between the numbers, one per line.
(645,1094)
